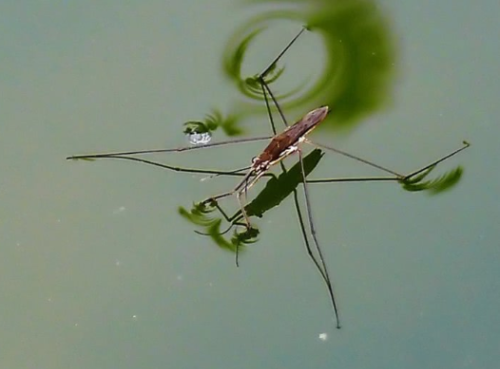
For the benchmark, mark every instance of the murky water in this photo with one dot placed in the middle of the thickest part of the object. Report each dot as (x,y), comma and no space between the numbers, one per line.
(99,270)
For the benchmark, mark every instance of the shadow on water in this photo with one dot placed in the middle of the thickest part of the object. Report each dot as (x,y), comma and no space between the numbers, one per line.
(211,216)
(355,82)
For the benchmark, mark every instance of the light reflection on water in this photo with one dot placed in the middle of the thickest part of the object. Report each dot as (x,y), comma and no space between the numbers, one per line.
(199,138)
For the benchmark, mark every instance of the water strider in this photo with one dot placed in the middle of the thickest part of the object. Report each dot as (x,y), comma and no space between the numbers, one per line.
(280,146)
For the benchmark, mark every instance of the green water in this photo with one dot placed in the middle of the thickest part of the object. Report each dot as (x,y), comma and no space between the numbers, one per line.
(98,270)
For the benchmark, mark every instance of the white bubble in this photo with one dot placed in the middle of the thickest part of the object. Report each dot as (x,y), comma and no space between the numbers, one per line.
(199,138)
(323,336)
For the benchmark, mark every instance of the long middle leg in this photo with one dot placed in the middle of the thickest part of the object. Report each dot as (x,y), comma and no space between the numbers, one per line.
(321,264)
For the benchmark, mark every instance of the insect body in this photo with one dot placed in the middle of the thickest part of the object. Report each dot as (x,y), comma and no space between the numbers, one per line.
(281,146)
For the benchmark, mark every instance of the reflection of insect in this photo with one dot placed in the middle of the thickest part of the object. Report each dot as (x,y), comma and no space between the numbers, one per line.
(281,146)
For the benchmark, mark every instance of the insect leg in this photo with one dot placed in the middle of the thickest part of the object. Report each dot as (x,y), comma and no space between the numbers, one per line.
(324,269)
(175,149)
(273,63)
